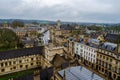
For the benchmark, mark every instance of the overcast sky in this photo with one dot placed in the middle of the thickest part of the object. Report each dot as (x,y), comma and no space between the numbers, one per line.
(65,10)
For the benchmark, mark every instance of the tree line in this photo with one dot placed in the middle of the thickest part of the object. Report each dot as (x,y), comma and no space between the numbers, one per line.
(8,39)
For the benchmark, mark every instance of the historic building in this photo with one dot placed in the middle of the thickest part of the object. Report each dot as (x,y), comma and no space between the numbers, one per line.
(22,59)
(86,51)
(100,55)
(55,32)
(57,29)
(51,51)
(71,48)
(108,57)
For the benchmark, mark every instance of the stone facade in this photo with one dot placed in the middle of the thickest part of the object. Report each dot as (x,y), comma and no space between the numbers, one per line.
(22,60)
(50,52)
(86,54)
(108,63)
(19,64)
(71,47)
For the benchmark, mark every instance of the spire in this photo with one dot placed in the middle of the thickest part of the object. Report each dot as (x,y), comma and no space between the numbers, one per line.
(64,75)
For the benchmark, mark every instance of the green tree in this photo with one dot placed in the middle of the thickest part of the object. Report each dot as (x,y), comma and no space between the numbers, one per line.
(8,39)
(17,23)
(35,23)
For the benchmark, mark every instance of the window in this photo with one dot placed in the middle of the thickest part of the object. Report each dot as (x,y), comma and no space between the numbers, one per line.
(110,66)
(2,70)
(91,55)
(87,48)
(110,60)
(14,67)
(9,63)
(26,66)
(37,58)
(10,68)
(81,50)
(20,61)
(77,44)
(36,62)
(21,66)
(98,55)
(91,50)
(102,70)
(116,62)
(5,63)
(86,53)
(77,48)
(91,59)
(31,63)
(1,64)
(14,62)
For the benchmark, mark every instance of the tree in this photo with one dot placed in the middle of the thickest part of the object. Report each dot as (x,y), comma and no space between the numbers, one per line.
(35,23)
(8,39)
(94,27)
(17,23)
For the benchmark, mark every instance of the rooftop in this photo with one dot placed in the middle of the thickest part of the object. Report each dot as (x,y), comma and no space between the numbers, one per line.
(20,52)
(109,46)
(90,42)
(115,38)
(79,73)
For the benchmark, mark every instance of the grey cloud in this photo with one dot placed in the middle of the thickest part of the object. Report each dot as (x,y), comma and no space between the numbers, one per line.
(69,10)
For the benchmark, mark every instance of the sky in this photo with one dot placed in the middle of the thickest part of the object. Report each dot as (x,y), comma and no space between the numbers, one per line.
(100,11)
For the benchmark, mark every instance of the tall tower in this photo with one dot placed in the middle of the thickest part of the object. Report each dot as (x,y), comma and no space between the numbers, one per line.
(58,25)
(5,24)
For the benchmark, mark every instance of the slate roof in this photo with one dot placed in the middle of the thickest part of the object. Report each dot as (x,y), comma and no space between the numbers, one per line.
(112,38)
(21,52)
(79,73)
(91,42)
(95,34)
(109,46)
(60,61)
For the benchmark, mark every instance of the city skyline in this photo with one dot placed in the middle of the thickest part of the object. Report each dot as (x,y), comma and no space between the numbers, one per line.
(106,11)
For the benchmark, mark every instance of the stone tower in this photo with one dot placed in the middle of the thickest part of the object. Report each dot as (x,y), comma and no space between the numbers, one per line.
(58,25)
(5,24)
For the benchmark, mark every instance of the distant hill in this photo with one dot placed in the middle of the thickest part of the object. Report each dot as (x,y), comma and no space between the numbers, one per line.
(63,22)
(27,21)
